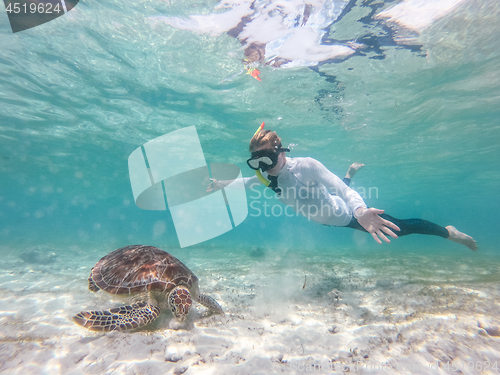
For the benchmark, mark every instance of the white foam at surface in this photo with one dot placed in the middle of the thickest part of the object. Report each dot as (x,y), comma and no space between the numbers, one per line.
(417,15)
(212,24)
(313,51)
(277,24)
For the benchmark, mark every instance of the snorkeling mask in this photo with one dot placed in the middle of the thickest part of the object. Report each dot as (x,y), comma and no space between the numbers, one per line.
(265,159)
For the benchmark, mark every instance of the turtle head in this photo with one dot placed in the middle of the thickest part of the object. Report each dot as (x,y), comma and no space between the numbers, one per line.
(179,301)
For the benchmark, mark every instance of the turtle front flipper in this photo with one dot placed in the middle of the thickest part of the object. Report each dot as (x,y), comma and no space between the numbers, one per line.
(118,319)
(92,285)
(210,303)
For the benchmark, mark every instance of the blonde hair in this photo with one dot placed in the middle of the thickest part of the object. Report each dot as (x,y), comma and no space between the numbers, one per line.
(265,139)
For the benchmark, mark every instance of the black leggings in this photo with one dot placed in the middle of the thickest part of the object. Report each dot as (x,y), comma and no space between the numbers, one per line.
(407,226)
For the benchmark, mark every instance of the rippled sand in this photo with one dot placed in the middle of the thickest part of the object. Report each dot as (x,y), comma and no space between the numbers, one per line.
(290,313)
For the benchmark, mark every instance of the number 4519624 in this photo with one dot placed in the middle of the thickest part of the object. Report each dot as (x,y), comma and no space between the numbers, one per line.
(34,8)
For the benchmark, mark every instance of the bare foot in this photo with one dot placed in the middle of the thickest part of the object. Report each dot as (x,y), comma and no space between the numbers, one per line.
(462,238)
(353,169)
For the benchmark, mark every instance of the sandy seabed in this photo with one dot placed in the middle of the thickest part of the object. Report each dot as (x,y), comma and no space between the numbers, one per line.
(284,314)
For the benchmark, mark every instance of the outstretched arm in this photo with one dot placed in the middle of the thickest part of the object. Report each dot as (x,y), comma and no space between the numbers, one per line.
(247,183)
(369,219)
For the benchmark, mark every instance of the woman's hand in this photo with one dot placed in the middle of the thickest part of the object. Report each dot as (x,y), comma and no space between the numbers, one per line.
(369,219)
(213,186)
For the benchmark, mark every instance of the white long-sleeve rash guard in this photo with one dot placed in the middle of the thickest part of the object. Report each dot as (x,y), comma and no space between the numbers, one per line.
(314,192)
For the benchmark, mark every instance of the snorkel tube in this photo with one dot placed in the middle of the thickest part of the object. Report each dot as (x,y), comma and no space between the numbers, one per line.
(258,173)
(262,178)
(259,129)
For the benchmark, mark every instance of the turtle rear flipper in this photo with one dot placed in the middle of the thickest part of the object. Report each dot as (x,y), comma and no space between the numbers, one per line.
(118,319)
(210,303)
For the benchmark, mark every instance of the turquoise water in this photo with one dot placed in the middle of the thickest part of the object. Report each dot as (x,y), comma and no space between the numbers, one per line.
(79,94)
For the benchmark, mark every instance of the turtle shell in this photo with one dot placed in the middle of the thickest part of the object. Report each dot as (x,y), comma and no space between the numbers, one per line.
(137,268)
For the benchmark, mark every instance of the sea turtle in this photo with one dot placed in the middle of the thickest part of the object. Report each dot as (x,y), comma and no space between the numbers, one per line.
(149,276)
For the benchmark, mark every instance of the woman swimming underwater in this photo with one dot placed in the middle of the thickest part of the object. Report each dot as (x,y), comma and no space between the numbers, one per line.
(313,191)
